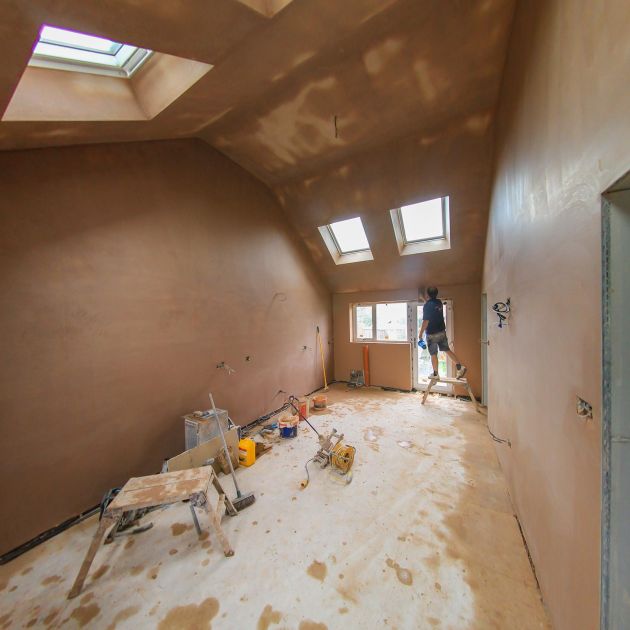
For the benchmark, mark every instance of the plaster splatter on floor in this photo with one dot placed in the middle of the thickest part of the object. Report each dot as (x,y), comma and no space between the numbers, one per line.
(439,508)
(100,572)
(317,570)
(404,575)
(267,617)
(123,615)
(191,616)
(307,624)
(51,579)
(84,614)
(177,529)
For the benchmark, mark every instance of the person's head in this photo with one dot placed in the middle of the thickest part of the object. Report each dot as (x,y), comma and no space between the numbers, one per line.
(432,292)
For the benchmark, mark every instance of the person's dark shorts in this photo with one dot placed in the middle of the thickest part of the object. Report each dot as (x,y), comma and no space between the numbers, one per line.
(437,342)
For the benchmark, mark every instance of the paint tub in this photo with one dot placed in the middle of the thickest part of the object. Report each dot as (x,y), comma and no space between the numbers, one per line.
(288,427)
(320,402)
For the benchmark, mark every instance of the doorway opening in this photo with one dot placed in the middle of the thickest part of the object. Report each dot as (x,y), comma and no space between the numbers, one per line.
(421,360)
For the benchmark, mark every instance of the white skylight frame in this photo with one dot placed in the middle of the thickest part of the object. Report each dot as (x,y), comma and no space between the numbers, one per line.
(62,49)
(339,233)
(435,241)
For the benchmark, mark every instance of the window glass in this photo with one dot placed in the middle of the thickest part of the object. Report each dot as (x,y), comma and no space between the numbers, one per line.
(81,52)
(422,221)
(391,322)
(350,235)
(363,322)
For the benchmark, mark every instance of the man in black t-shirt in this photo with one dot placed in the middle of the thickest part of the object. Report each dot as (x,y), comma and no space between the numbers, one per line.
(433,324)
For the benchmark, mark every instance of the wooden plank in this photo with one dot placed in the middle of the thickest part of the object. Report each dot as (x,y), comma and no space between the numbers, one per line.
(174,486)
(167,478)
(199,455)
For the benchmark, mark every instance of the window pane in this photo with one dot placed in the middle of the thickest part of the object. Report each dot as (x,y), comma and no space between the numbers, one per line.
(363,322)
(350,235)
(391,322)
(78,40)
(75,54)
(423,220)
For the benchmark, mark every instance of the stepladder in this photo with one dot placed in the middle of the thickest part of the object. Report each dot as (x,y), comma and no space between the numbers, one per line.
(462,382)
(191,485)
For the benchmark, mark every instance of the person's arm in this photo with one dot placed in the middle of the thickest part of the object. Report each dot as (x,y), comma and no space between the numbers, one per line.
(421,343)
(425,323)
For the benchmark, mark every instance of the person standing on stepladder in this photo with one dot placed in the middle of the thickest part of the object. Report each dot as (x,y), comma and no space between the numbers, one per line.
(433,324)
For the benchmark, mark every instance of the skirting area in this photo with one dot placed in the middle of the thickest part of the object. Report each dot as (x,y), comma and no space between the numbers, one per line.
(424,536)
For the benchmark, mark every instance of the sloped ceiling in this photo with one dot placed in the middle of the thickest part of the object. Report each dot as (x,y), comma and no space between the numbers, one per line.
(341,107)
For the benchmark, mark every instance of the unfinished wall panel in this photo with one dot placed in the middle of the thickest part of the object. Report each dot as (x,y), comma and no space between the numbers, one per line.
(390,363)
(562,139)
(127,272)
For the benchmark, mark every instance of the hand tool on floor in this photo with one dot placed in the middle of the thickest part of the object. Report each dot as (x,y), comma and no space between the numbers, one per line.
(242,500)
(331,451)
(321,352)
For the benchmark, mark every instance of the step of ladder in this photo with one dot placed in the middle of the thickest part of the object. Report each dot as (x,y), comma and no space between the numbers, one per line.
(462,382)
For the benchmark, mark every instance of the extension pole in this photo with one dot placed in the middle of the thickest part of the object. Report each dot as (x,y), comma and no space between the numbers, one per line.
(321,352)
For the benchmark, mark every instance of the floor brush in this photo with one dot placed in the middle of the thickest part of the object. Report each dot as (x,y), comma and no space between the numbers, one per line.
(242,500)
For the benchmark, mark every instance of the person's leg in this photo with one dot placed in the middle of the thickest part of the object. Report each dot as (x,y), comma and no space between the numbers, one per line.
(453,357)
(444,346)
(432,347)
(434,363)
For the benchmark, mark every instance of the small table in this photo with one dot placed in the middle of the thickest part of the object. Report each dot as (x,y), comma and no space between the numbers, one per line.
(157,490)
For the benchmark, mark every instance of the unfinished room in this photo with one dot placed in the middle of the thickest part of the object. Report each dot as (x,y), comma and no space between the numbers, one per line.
(311,314)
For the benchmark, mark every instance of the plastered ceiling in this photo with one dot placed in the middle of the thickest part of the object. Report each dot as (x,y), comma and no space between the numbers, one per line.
(304,91)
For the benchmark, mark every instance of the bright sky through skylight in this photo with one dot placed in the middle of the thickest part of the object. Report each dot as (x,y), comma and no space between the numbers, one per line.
(54,35)
(350,235)
(423,220)
(80,52)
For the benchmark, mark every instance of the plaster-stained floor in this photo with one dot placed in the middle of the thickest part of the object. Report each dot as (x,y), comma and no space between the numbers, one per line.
(423,537)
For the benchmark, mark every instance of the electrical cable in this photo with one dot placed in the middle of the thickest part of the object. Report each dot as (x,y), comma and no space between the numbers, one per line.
(306,481)
(498,439)
(342,457)
(291,399)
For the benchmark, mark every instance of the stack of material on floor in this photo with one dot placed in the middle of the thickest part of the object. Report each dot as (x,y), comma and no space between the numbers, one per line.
(201,426)
(202,454)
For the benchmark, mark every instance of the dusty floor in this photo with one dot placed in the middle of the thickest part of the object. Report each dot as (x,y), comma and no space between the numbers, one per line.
(423,537)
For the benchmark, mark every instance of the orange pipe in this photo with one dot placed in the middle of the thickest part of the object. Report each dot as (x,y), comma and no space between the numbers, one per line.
(366,364)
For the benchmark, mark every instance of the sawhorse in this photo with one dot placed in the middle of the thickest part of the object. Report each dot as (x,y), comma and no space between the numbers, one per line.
(155,490)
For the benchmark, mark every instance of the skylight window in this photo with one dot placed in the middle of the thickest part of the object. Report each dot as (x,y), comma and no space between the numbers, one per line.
(346,241)
(349,236)
(67,50)
(422,227)
(423,221)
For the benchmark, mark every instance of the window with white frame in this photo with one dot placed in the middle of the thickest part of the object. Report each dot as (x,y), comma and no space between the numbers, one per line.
(61,49)
(380,321)
(346,241)
(422,227)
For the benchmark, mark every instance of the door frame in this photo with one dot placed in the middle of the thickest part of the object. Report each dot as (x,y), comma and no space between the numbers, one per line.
(615,502)
(412,319)
(484,343)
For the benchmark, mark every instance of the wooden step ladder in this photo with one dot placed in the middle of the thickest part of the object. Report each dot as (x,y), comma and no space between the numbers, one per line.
(462,382)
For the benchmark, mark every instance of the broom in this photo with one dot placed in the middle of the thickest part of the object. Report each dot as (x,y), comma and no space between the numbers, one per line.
(242,500)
